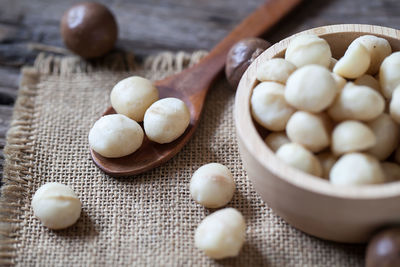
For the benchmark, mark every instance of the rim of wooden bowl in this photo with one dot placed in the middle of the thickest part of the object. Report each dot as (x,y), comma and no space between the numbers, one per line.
(251,139)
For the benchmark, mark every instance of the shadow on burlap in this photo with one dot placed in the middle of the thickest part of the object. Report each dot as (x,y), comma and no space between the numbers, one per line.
(148,219)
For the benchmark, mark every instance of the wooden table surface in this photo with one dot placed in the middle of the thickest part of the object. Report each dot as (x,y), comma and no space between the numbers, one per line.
(150,26)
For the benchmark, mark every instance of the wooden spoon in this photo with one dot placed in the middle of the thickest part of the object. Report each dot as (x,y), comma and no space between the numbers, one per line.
(191,86)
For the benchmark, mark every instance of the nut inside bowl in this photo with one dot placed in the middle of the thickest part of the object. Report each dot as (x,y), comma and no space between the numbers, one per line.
(339,213)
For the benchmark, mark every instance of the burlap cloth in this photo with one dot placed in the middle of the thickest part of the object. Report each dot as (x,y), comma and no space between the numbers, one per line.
(146,220)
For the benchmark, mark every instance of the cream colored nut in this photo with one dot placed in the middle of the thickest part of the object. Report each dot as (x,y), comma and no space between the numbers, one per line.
(308,129)
(387,135)
(308,49)
(391,171)
(298,157)
(311,88)
(132,97)
(166,120)
(269,107)
(332,63)
(275,70)
(212,185)
(115,136)
(378,48)
(357,102)
(221,234)
(327,161)
(368,80)
(395,105)
(354,63)
(357,169)
(56,205)
(352,136)
(275,140)
(389,74)
(340,81)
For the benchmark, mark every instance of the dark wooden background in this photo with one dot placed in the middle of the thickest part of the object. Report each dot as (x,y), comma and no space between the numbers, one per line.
(151,26)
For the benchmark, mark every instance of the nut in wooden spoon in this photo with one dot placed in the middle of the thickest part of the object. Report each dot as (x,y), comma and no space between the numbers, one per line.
(191,86)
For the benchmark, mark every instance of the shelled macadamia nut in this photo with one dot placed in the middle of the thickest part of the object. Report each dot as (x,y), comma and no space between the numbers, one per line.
(332,63)
(378,49)
(311,88)
(275,70)
(115,136)
(132,97)
(357,102)
(354,63)
(298,157)
(221,234)
(327,161)
(368,80)
(308,129)
(276,139)
(212,185)
(395,105)
(166,119)
(391,171)
(308,49)
(56,205)
(340,81)
(389,74)
(269,107)
(357,169)
(352,136)
(387,136)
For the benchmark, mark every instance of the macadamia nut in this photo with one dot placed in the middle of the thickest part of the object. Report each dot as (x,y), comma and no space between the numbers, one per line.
(56,205)
(275,70)
(298,157)
(368,80)
(275,140)
(352,136)
(354,63)
(132,96)
(212,185)
(166,119)
(357,169)
(308,129)
(269,107)
(356,102)
(391,171)
(115,135)
(332,63)
(378,49)
(340,81)
(311,88)
(308,49)
(395,105)
(389,74)
(386,132)
(221,234)
(327,161)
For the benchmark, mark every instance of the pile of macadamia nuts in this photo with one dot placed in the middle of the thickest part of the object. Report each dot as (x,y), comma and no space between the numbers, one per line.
(337,119)
(135,99)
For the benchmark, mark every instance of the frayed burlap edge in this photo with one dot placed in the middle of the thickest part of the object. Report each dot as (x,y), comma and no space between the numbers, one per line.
(18,151)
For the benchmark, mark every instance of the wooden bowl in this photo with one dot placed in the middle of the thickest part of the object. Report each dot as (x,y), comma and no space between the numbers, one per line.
(309,203)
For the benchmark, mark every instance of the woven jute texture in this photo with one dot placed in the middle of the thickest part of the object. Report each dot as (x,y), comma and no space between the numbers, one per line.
(145,220)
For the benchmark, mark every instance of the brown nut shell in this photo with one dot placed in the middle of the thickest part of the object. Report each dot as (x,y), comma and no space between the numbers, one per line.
(240,56)
(89,29)
(384,249)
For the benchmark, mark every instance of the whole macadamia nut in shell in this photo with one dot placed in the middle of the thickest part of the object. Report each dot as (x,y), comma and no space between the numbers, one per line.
(240,56)
(276,139)
(311,88)
(166,119)
(115,135)
(352,136)
(89,29)
(389,74)
(357,102)
(300,158)
(309,130)
(212,185)
(275,70)
(357,169)
(384,249)
(269,107)
(133,96)
(56,205)
(308,49)
(221,234)
(354,63)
